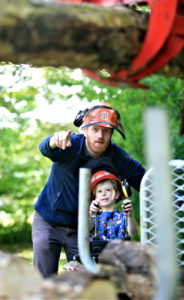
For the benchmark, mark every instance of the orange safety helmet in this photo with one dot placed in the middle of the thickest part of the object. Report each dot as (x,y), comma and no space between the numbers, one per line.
(103,115)
(102,168)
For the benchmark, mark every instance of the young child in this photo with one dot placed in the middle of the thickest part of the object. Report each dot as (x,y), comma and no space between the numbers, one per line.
(109,223)
(106,191)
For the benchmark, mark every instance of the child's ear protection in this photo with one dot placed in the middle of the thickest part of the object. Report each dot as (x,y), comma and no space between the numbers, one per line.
(127,192)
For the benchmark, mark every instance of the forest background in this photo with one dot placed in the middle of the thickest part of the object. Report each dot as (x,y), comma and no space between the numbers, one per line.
(24,171)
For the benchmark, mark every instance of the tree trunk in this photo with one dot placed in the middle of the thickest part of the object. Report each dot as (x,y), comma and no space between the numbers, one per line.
(74,35)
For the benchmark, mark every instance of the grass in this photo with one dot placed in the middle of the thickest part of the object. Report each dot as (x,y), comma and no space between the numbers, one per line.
(25,251)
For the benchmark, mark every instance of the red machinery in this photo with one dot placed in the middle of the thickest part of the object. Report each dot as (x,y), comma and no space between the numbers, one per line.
(164,40)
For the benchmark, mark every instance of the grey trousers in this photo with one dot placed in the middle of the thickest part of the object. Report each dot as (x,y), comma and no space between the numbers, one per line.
(48,241)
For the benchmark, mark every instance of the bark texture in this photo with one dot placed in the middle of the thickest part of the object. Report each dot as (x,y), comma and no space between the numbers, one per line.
(44,33)
(127,270)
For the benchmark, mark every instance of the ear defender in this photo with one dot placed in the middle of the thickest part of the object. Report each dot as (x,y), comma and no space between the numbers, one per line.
(80,117)
(127,192)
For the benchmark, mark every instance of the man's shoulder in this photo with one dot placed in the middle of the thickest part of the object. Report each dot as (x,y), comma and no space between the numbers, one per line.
(75,135)
(115,150)
(77,138)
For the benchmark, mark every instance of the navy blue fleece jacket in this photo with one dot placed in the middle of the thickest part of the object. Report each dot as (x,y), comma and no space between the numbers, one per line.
(58,201)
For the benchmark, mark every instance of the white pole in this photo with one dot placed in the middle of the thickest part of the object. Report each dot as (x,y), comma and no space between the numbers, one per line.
(157,145)
(83,220)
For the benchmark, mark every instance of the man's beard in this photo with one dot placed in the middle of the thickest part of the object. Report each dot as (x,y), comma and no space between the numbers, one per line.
(97,146)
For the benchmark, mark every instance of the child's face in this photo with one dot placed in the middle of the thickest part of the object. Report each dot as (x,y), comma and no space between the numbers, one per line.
(106,194)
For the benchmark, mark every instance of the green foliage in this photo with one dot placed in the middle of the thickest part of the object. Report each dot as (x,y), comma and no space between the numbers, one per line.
(23,171)
(19,233)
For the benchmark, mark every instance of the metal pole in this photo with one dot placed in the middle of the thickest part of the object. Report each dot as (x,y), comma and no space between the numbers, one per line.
(157,145)
(83,220)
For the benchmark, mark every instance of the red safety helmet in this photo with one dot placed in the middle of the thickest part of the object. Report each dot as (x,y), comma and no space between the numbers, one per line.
(103,115)
(102,168)
(103,175)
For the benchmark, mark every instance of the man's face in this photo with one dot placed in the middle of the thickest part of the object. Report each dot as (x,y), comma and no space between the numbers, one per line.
(97,139)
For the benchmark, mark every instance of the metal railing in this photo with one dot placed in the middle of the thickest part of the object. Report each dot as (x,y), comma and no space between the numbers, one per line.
(147,207)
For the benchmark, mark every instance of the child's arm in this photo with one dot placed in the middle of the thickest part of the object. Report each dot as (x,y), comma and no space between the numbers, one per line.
(132,225)
(91,224)
(93,209)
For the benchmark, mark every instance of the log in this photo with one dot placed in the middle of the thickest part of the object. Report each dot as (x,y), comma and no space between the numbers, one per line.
(72,35)
(126,271)
(129,267)
(135,263)
(79,285)
(18,279)
(43,33)
(136,273)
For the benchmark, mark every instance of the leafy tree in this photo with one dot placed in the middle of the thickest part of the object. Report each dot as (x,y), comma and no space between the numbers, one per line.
(23,171)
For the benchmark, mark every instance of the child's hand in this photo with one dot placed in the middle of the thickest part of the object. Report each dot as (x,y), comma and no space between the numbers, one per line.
(94,207)
(127,207)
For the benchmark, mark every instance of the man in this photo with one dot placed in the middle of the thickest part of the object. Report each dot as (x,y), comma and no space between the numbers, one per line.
(56,217)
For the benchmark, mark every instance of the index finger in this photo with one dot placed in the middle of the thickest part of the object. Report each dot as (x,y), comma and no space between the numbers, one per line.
(66,141)
(68,135)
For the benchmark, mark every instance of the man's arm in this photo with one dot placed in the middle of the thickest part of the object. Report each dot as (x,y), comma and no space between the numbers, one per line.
(60,140)
(54,147)
(91,223)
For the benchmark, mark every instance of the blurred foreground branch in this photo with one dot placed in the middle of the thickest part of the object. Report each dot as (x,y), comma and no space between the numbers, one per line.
(44,33)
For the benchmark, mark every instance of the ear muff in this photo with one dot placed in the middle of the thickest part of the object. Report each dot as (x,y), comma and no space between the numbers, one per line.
(127,192)
(80,117)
